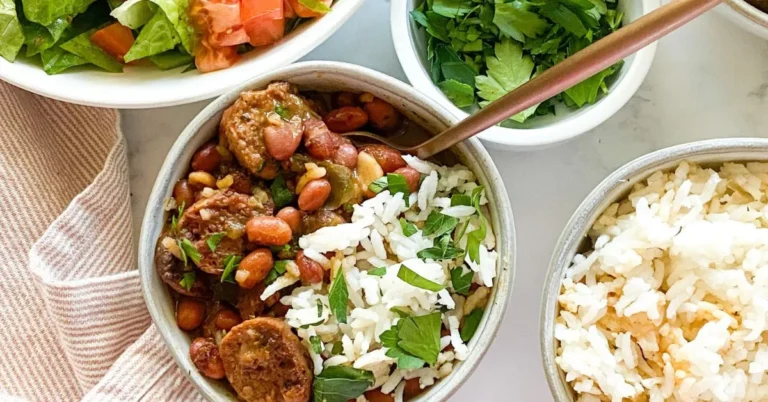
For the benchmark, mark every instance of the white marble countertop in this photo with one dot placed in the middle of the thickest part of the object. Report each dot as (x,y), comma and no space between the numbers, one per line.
(709,80)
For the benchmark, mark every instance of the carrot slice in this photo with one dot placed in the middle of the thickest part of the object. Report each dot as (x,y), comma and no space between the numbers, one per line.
(114,39)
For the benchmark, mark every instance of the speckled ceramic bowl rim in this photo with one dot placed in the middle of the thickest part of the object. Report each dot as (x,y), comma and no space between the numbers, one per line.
(607,192)
(201,128)
(746,16)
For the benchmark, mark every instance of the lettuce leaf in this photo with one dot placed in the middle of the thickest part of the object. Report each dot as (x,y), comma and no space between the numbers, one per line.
(46,12)
(134,13)
(56,60)
(39,38)
(157,36)
(82,46)
(11,33)
(176,12)
(171,59)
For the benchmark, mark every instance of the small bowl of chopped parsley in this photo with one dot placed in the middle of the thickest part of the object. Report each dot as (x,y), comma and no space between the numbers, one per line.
(468,53)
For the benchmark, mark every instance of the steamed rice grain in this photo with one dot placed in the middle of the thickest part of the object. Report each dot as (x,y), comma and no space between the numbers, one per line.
(671,304)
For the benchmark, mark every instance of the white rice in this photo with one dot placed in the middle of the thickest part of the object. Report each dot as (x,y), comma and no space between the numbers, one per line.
(375,239)
(672,302)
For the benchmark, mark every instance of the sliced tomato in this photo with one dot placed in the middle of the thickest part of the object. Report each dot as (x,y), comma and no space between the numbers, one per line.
(304,12)
(209,58)
(288,10)
(233,38)
(263,20)
(114,39)
(221,15)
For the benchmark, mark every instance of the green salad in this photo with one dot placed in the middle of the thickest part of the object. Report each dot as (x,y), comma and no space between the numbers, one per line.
(207,35)
(481,49)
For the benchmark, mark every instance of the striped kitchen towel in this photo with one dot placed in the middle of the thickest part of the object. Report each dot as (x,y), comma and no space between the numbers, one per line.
(74,324)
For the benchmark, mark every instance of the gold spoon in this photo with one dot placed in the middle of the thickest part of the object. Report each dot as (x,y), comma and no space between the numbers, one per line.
(582,65)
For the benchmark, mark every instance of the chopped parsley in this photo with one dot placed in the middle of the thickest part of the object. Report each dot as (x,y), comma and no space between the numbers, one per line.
(479,50)
(188,280)
(414,340)
(476,237)
(231,263)
(438,224)
(381,271)
(460,281)
(412,278)
(338,297)
(409,229)
(281,195)
(471,322)
(341,383)
(277,271)
(317,345)
(442,250)
(394,182)
(214,240)
(282,112)
(189,251)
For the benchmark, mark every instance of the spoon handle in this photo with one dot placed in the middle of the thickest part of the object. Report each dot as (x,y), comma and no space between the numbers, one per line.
(582,65)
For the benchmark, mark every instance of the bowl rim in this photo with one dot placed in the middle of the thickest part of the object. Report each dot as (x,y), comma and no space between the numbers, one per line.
(31,77)
(746,16)
(608,191)
(501,292)
(532,138)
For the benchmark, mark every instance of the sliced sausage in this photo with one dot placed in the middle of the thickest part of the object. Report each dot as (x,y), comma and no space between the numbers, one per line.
(221,212)
(205,355)
(249,302)
(265,361)
(171,272)
(320,219)
(244,123)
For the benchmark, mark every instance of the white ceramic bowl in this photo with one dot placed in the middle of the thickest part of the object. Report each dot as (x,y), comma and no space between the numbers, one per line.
(411,45)
(327,76)
(574,238)
(745,16)
(149,87)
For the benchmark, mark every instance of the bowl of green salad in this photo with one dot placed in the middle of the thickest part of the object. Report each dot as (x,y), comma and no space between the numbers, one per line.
(466,54)
(152,53)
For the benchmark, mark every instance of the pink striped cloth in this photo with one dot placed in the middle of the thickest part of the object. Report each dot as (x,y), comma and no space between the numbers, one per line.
(74,324)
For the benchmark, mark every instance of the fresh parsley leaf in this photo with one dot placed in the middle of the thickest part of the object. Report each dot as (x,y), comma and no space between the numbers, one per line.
(412,278)
(341,383)
(281,195)
(188,250)
(461,281)
(409,229)
(337,349)
(420,336)
(338,297)
(400,312)
(461,94)
(317,345)
(509,69)
(564,16)
(230,266)
(405,361)
(381,271)
(476,237)
(461,199)
(518,23)
(443,250)
(586,91)
(396,184)
(188,280)
(277,271)
(214,240)
(319,308)
(471,322)
(314,324)
(452,8)
(282,112)
(378,185)
(438,224)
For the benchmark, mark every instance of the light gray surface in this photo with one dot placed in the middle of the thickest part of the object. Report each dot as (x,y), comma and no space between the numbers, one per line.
(709,80)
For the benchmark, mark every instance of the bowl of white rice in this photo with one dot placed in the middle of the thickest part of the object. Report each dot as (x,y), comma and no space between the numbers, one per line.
(355,244)
(658,287)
